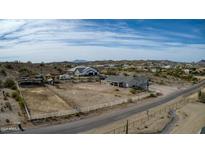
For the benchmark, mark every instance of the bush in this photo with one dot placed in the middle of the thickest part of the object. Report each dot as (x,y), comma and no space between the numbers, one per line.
(21,102)
(133,91)
(18,98)
(117,89)
(3,72)
(15,95)
(7,94)
(201,96)
(1,84)
(9,83)
(8,105)
(25,72)
(125,74)
(129,100)
(7,121)
(152,95)
(9,66)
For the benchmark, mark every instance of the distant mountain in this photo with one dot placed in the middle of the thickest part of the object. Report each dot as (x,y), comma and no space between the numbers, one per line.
(202,62)
(79,61)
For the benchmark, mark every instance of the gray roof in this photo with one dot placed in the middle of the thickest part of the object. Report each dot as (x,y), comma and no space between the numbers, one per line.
(80,69)
(121,78)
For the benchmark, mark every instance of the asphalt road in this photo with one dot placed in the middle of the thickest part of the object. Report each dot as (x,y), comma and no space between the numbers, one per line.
(97,121)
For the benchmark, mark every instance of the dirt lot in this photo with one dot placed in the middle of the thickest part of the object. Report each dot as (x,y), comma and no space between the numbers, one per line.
(9,110)
(85,96)
(89,94)
(165,90)
(191,118)
(42,100)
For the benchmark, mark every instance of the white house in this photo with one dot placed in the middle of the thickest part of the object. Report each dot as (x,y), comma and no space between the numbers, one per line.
(166,66)
(83,71)
(186,71)
(153,70)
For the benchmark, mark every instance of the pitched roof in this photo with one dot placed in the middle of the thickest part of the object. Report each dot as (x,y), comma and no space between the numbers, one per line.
(77,67)
(81,69)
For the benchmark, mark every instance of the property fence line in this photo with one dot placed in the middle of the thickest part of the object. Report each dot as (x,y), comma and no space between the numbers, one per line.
(53,114)
(132,125)
(84,109)
(98,106)
(25,105)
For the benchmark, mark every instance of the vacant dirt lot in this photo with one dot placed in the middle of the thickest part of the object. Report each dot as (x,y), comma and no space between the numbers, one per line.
(89,94)
(191,118)
(164,89)
(42,100)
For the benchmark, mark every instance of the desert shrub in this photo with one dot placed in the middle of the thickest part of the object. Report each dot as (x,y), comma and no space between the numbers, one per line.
(201,96)
(7,94)
(3,72)
(8,105)
(9,66)
(15,94)
(42,64)
(21,102)
(133,91)
(117,89)
(129,100)
(18,98)
(25,72)
(1,84)
(7,121)
(109,71)
(5,98)
(152,95)
(9,83)
(60,70)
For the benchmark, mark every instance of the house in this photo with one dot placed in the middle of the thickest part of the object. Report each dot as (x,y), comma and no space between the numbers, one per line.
(64,77)
(166,66)
(128,81)
(186,71)
(153,70)
(83,71)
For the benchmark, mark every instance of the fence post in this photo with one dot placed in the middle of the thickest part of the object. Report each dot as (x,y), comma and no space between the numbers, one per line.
(126,131)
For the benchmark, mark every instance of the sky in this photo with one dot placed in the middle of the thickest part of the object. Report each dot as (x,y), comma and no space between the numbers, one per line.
(68,40)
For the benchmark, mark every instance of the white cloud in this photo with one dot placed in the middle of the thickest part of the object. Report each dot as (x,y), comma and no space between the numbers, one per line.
(57,40)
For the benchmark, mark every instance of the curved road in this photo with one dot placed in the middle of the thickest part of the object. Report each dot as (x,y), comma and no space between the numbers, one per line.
(97,121)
